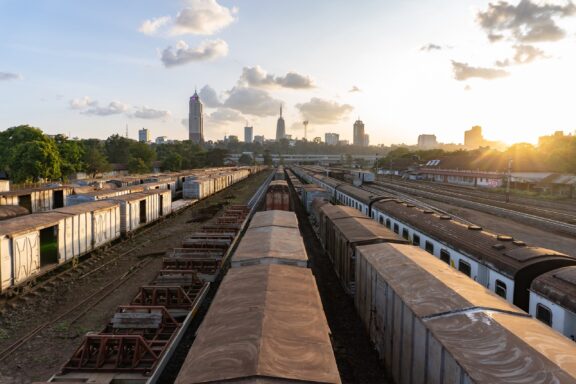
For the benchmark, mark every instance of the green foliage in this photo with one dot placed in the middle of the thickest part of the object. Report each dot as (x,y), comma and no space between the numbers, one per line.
(137,165)
(35,160)
(172,162)
(71,155)
(117,149)
(94,159)
(12,137)
(245,159)
(267,157)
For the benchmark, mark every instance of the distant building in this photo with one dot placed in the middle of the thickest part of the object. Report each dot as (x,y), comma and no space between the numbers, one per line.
(248,134)
(344,142)
(232,138)
(331,138)
(473,138)
(161,140)
(144,135)
(195,120)
(358,138)
(280,127)
(366,140)
(427,141)
(259,139)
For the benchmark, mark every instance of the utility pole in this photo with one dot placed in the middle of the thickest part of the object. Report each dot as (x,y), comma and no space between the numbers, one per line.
(509,176)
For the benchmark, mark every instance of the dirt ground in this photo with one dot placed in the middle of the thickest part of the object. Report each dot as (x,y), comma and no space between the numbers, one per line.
(357,360)
(46,352)
(500,225)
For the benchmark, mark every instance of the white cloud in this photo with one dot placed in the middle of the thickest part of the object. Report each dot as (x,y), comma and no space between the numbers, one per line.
(354,89)
(209,97)
(152,26)
(5,76)
(463,71)
(431,47)
(145,112)
(320,111)
(183,54)
(258,77)
(203,17)
(82,103)
(252,101)
(113,108)
(223,116)
(523,54)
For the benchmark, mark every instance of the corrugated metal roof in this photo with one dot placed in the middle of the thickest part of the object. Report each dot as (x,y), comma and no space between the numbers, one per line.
(271,242)
(29,223)
(274,218)
(362,229)
(265,322)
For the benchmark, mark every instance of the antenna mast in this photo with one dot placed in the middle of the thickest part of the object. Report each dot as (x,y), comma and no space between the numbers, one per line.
(305,122)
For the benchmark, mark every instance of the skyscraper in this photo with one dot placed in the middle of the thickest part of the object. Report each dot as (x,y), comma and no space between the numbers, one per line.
(144,135)
(195,120)
(280,127)
(358,133)
(248,132)
(331,138)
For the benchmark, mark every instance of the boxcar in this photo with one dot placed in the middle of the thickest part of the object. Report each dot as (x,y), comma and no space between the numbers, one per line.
(266,324)
(140,209)
(278,196)
(10,211)
(430,323)
(37,199)
(311,192)
(274,218)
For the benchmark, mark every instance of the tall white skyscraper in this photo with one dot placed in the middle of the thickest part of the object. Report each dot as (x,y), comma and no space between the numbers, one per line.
(280,127)
(248,134)
(358,137)
(195,120)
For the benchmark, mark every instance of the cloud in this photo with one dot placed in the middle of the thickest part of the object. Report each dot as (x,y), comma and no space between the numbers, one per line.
(5,76)
(354,89)
(82,103)
(223,116)
(525,22)
(184,122)
(145,112)
(152,26)
(113,108)
(524,54)
(203,17)
(431,47)
(209,97)
(463,71)
(183,54)
(252,101)
(258,77)
(320,111)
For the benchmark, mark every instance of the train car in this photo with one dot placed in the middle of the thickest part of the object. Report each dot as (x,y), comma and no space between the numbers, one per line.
(279,174)
(553,300)
(278,196)
(143,208)
(277,218)
(271,245)
(102,194)
(265,325)
(328,214)
(34,244)
(10,211)
(311,192)
(431,324)
(361,176)
(39,199)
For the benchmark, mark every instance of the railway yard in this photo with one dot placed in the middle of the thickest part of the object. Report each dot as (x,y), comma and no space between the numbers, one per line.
(287,276)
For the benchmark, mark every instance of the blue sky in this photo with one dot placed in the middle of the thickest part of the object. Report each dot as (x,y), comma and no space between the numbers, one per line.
(88,68)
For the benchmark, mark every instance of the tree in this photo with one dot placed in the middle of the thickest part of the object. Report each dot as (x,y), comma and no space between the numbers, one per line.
(267,157)
(35,160)
(12,137)
(245,159)
(95,161)
(144,152)
(172,162)
(117,149)
(215,157)
(136,165)
(71,153)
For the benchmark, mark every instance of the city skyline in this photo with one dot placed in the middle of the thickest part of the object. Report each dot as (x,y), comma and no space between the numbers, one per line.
(400,66)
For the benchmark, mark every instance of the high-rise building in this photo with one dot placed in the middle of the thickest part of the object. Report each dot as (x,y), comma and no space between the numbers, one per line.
(195,120)
(358,133)
(144,135)
(161,140)
(280,127)
(366,140)
(259,139)
(331,138)
(427,141)
(248,133)
(473,137)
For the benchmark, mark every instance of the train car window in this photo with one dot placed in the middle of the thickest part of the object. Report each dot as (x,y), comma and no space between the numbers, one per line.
(388,224)
(500,288)
(416,240)
(465,268)
(445,256)
(544,314)
(396,228)
(405,234)
(429,247)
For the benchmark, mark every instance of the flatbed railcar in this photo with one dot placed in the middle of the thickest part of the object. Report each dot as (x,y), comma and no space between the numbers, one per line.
(502,264)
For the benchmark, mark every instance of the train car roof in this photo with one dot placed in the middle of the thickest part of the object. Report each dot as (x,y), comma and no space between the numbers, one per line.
(362,229)
(498,251)
(279,182)
(328,180)
(266,322)
(10,211)
(30,222)
(335,212)
(357,193)
(428,285)
(28,191)
(85,207)
(558,286)
(274,218)
(271,242)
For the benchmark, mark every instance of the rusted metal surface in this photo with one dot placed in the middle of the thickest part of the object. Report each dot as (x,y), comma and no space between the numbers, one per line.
(277,218)
(265,322)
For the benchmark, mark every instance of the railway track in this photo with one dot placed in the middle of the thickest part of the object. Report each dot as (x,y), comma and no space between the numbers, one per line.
(531,218)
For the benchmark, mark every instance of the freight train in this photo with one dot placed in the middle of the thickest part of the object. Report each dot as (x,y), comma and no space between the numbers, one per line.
(539,281)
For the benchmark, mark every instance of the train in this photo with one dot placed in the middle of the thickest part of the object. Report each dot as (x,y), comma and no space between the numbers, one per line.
(278,196)
(33,244)
(428,322)
(266,323)
(524,275)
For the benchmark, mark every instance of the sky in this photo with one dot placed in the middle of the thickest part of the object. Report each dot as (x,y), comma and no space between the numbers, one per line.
(93,68)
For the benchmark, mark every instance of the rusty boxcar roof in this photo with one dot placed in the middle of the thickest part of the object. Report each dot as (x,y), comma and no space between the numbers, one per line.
(335,212)
(558,286)
(279,182)
(362,229)
(496,251)
(265,322)
(10,211)
(426,284)
(275,218)
(495,347)
(28,191)
(271,242)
